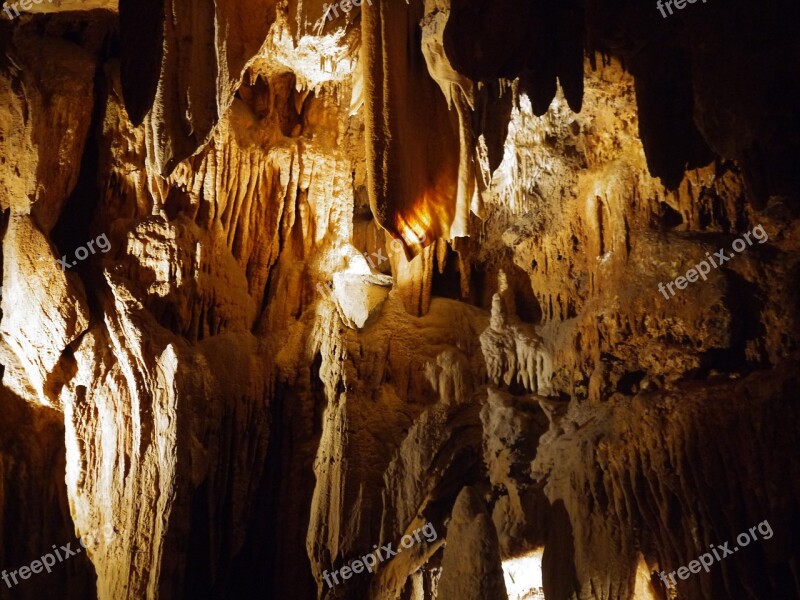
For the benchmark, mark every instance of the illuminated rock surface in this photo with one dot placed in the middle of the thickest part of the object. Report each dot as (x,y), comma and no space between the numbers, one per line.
(373,272)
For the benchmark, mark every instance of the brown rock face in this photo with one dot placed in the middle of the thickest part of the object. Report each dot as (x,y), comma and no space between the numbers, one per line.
(471,562)
(284,283)
(411,186)
(181,75)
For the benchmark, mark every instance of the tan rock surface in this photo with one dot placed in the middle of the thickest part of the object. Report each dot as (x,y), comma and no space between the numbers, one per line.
(471,562)
(521,384)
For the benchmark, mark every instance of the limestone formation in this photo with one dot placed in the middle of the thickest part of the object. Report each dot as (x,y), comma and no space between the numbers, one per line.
(392,266)
(471,562)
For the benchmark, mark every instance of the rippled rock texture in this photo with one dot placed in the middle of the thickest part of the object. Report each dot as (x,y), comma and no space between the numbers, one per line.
(279,289)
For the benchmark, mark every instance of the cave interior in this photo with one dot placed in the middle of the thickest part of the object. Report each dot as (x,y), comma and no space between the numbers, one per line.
(400,300)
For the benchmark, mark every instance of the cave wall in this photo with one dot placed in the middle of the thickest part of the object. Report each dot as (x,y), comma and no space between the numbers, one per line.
(248,396)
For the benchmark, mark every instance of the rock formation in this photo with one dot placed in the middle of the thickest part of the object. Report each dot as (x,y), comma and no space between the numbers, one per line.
(387,265)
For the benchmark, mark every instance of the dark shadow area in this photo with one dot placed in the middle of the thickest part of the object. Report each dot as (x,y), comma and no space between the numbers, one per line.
(559,580)
(34,509)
